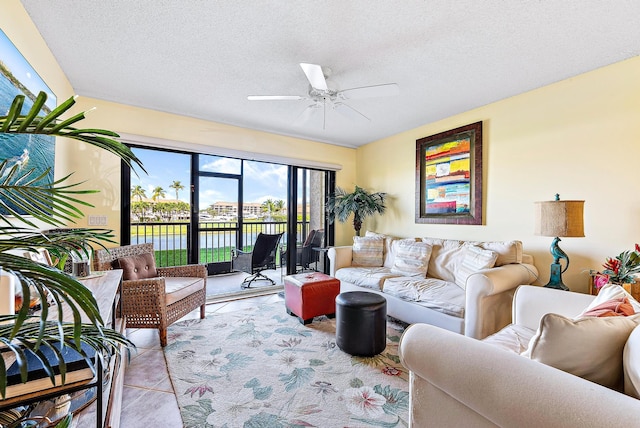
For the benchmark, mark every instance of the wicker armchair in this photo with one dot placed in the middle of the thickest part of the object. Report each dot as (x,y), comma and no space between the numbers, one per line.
(159,301)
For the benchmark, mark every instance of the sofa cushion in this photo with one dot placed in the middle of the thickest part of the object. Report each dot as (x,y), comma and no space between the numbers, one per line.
(411,259)
(141,266)
(513,338)
(591,348)
(631,364)
(367,251)
(475,259)
(436,294)
(446,255)
(367,277)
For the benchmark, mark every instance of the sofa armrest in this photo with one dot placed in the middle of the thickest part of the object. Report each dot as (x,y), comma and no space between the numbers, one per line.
(531,302)
(489,297)
(339,257)
(488,386)
(194,271)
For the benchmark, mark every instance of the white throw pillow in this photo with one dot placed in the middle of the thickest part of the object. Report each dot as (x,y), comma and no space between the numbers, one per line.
(631,364)
(475,259)
(611,292)
(367,251)
(412,258)
(590,347)
(508,251)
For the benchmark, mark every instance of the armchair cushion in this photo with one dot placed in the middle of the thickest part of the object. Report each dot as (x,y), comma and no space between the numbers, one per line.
(140,266)
(177,288)
(591,348)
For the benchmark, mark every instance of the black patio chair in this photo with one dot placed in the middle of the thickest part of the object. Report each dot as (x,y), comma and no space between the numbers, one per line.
(261,258)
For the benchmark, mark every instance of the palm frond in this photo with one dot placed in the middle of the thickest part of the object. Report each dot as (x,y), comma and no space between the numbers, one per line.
(31,123)
(56,204)
(104,341)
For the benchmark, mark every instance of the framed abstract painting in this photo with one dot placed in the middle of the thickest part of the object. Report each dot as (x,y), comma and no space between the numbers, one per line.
(449,176)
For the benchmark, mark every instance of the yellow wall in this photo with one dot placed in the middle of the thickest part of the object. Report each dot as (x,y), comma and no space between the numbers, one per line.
(578,138)
(101,170)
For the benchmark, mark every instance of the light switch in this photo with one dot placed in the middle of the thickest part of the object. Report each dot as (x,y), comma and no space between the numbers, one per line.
(97,220)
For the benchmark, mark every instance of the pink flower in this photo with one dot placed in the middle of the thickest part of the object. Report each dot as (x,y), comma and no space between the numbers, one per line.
(600,281)
(364,401)
(391,371)
(200,389)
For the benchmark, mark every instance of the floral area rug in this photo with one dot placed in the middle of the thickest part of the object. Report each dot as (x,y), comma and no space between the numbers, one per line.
(262,368)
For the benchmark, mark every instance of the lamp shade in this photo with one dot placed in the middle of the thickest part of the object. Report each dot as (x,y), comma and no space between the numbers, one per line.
(560,218)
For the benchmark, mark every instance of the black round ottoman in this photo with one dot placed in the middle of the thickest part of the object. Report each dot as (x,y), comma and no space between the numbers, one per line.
(361,323)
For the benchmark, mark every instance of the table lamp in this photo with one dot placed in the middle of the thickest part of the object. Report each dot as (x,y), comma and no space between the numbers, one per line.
(559,219)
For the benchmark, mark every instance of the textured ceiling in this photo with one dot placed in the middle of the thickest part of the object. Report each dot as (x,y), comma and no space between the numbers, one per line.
(202,58)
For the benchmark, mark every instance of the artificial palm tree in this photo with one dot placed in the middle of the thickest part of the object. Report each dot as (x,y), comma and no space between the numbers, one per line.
(360,203)
(55,204)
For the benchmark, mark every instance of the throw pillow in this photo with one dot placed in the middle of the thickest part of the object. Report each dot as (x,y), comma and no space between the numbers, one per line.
(412,258)
(508,251)
(475,259)
(611,292)
(631,364)
(386,252)
(588,347)
(137,267)
(367,251)
(611,308)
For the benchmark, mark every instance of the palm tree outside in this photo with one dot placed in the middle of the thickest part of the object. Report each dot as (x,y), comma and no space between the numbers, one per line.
(158,192)
(177,186)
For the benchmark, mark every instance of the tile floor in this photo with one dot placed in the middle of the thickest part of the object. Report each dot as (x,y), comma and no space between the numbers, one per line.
(148,398)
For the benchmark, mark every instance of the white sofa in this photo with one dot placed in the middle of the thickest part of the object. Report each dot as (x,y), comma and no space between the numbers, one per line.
(477,304)
(456,381)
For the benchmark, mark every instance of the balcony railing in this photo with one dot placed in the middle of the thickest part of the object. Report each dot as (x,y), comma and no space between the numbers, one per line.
(217,239)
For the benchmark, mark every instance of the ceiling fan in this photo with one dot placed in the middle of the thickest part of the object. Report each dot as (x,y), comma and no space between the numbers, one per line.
(323,97)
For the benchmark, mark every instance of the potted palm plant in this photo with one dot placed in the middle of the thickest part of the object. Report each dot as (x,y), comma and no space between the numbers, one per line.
(360,203)
(55,204)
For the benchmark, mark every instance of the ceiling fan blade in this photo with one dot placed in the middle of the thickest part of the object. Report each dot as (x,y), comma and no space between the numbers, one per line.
(315,76)
(385,90)
(350,112)
(275,97)
(308,115)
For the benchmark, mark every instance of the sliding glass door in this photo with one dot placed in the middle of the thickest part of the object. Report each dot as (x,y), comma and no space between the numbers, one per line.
(198,208)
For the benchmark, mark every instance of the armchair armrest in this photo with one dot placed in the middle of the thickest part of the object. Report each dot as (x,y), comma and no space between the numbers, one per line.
(459,381)
(142,296)
(339,257)
(196,271)
(530,303)
(489,297)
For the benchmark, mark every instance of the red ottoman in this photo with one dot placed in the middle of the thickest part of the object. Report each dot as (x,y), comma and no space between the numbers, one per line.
(308,295)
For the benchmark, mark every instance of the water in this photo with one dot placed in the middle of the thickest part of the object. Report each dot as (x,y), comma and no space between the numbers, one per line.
(40,148)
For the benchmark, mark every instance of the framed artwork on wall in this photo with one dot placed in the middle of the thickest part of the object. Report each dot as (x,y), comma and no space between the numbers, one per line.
(449,176)
(27,151)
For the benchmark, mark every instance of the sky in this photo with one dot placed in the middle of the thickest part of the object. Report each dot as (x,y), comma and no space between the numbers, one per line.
(262,181)
(22,70)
